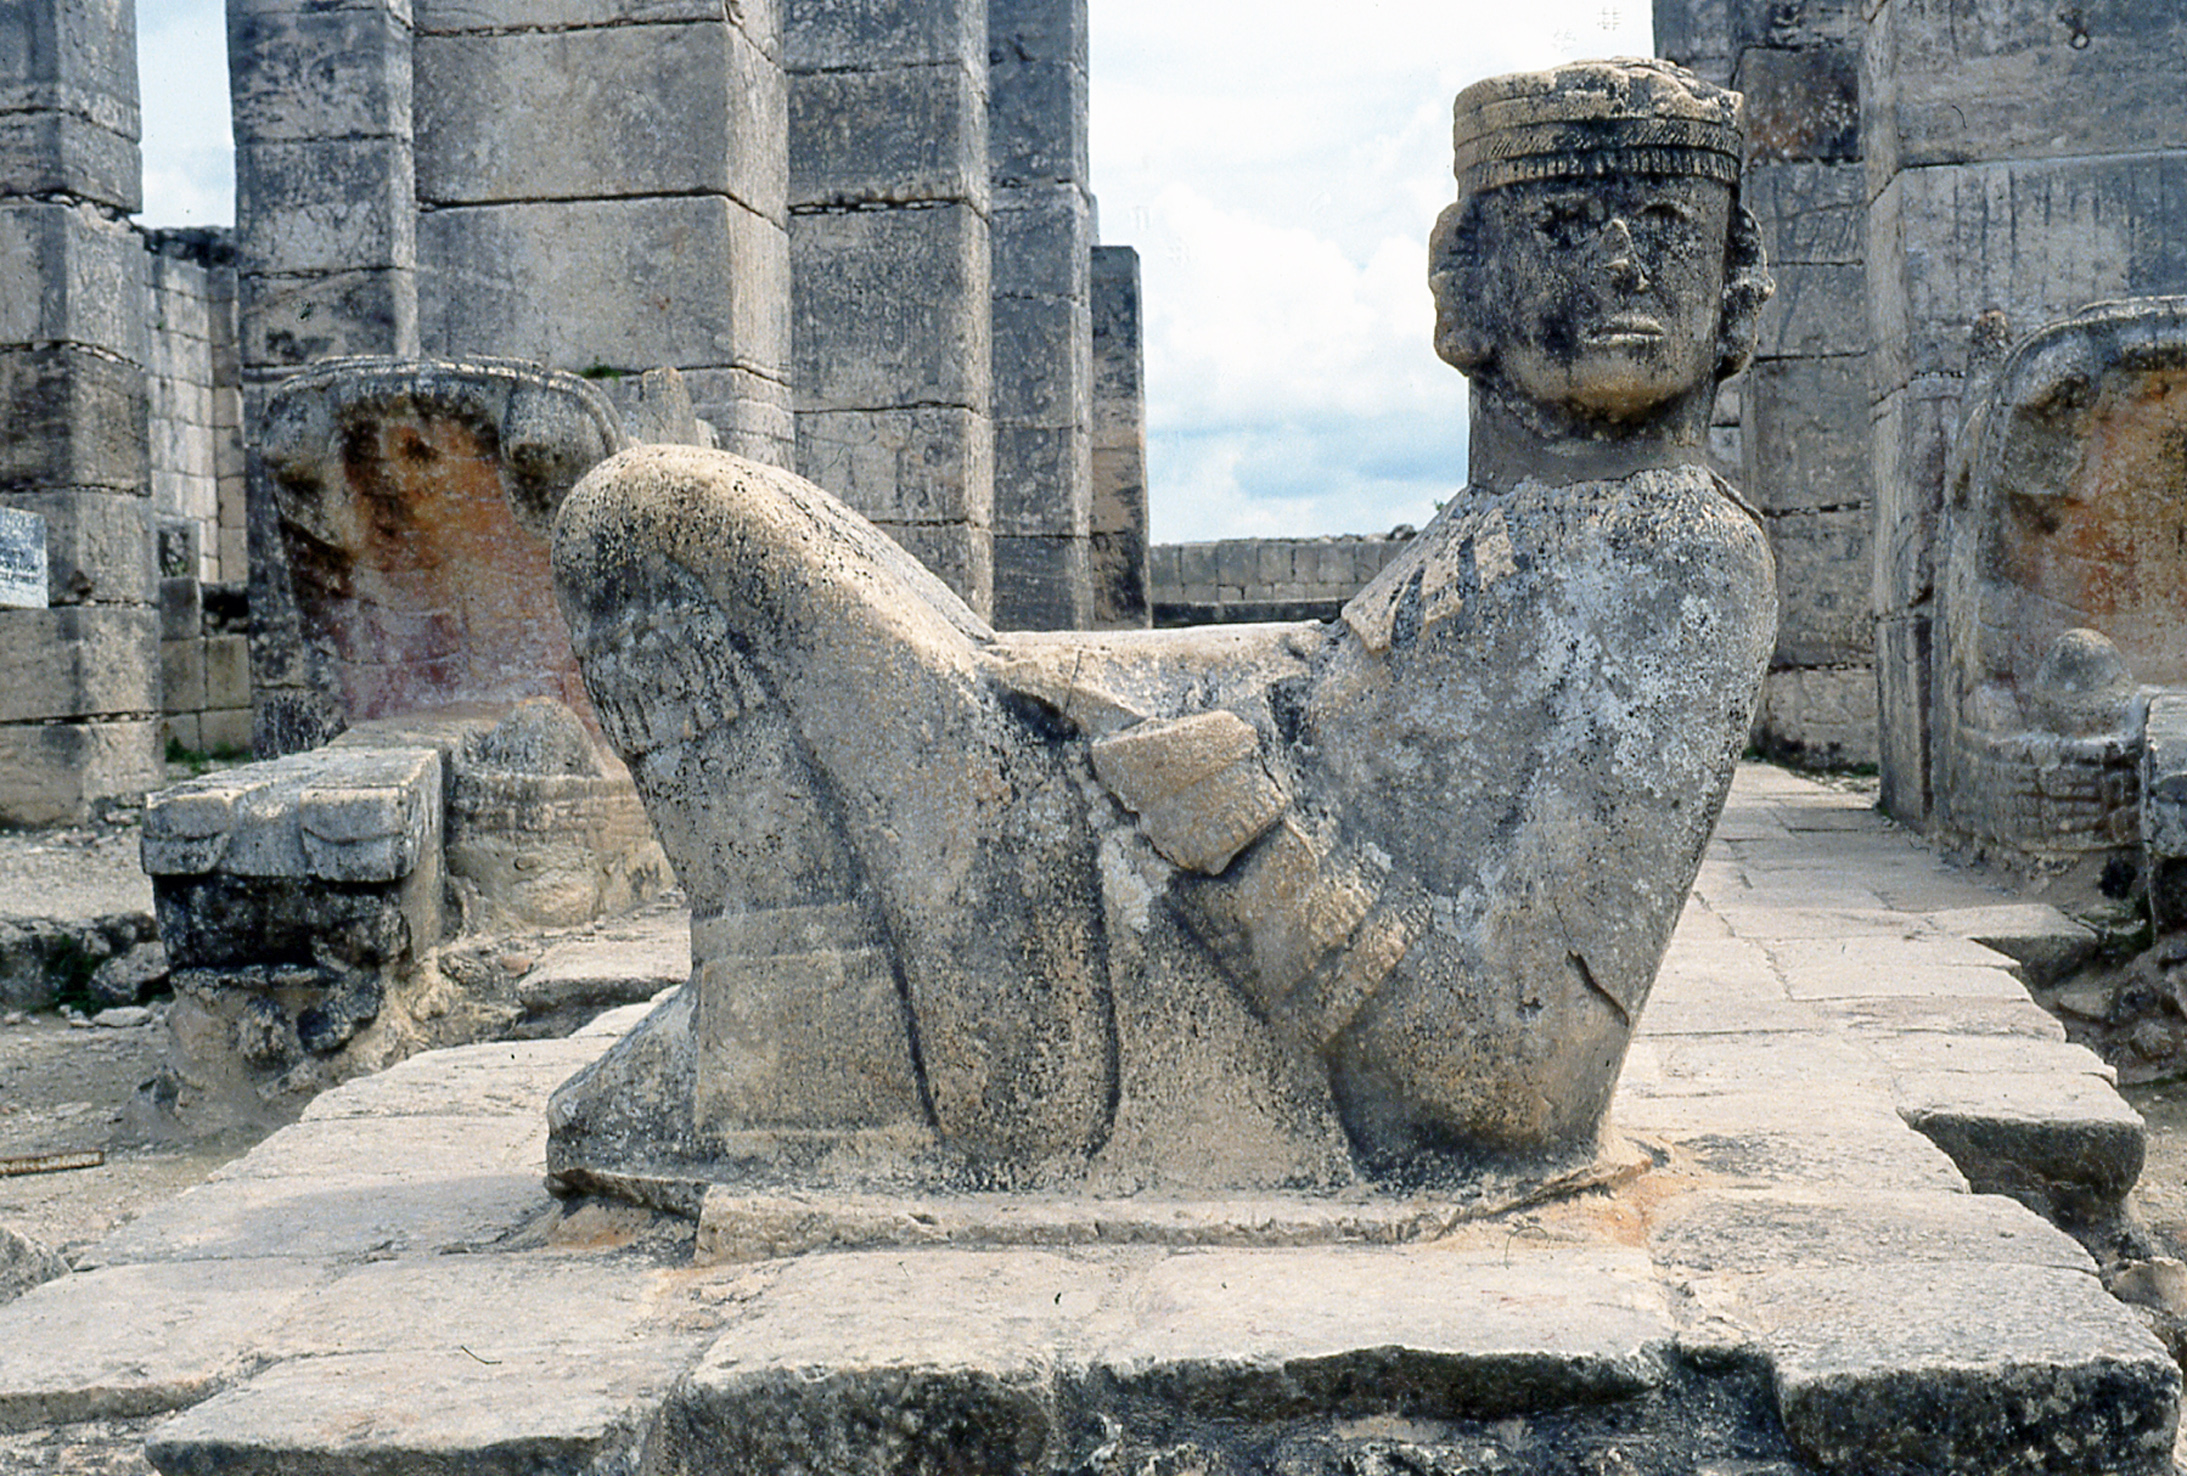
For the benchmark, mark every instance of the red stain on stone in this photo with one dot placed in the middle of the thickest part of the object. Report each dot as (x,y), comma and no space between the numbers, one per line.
(433,595)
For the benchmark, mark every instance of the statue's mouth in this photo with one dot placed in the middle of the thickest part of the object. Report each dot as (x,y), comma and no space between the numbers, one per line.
(1625,330)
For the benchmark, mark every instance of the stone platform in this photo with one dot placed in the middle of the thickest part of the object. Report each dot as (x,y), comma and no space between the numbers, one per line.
(1805,1278)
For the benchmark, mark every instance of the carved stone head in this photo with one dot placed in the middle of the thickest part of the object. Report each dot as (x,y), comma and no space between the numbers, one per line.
(1597,274)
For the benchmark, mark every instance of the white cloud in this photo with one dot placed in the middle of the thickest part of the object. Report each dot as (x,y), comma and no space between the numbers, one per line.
(189,152)
(1279,166)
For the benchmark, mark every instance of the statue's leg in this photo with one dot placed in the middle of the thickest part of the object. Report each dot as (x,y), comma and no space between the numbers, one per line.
(963,811)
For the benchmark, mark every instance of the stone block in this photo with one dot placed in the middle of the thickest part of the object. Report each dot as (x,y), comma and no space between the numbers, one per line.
(53,773)
(54,153)
(819,35)
(78,279)
(1043,239)
(298,320)
(1055,31)
(692,281)
(327,205)
(305,73)
(182,676)
(891,308)
(72,56)
(1806,435)
(1043,481)
(962,555)
(1791,25)
(74,418)
(1043,362)
(98,544)
(657,109)
(2032,240)
(1819,716)
(181,609)
(1817,310)
(454,17)
(750,413)
(228,672)
(1036,123)
(891,136)
(1808,212)
(1197,565)
(335,814)
(1116,566)
(1823,587)
(921,465)
(79,661)
(1042,583)
(1911,443)
(1963,75)
(1801,104)
(1697,35)
(1995,1358)
(1903,681)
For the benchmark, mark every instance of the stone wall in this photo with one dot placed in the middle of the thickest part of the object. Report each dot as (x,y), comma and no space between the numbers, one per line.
(1792,429)
(79,714)
(193,382)
(1235,580)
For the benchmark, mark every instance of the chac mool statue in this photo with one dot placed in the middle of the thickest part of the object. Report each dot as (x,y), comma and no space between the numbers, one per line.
(1294,906)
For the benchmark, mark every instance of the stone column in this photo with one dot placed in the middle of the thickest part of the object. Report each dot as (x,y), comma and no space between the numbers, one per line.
(326,254)
(1803,401)
(1992,210)
(889,249)
(1118,551)
(79,713)
(604,192)
(1043,242)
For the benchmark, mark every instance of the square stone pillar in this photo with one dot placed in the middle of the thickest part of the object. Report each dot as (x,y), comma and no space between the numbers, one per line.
(79,718)
(891,317)
(1993,210)
(326,258)
(1117,553)
(1043,242)
(605,191)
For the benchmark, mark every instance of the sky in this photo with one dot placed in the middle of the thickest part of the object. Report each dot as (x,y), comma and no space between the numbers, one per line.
(1278,165)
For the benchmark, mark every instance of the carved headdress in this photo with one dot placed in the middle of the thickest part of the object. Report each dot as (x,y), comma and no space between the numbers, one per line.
(1629,116)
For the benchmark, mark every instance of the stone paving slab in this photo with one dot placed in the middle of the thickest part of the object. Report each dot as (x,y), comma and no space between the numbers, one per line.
(1803,1281)
(135,1340)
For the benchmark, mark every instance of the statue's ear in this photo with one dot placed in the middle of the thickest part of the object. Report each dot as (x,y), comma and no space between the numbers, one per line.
(1747,285)
(1453,276)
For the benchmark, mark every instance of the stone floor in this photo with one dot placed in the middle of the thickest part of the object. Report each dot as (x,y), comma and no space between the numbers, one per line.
(1803,1281)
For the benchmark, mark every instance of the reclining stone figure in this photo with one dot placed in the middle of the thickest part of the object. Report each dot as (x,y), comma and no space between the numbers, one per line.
(1257,907)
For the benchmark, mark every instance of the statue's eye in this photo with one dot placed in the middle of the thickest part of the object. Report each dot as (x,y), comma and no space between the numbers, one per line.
(1667,214)
(1561,223)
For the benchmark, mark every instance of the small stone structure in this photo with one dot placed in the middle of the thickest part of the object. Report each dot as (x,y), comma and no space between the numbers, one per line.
(304,899)
(2061,657)
(1260,908)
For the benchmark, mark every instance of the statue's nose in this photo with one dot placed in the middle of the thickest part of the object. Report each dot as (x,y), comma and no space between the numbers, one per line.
(1618,258)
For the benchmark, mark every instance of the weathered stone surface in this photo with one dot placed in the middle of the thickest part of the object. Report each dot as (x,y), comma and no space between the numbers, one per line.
(1823,589)
(921,464)
(82,276)
(1170,909)
(326,72)
(600,112)
(891,308)
(294,320)
(412,498)
(1949,1369)
(53,773)
(24,1263)
(1117,518)
(79,661)
(65,1354)
(888,136)
(716,275)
